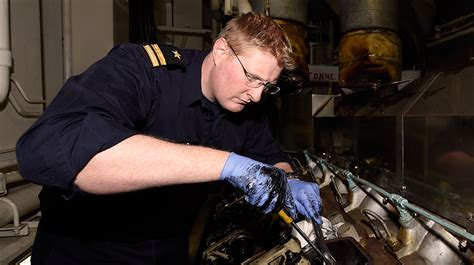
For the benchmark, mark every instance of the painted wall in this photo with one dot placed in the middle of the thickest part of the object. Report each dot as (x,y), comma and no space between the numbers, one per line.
(92,32)
(25,42)
(187,13)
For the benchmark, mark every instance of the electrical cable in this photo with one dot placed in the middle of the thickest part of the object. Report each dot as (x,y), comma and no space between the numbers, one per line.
(373,214)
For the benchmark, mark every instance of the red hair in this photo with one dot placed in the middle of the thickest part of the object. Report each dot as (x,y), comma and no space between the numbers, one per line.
(258,30)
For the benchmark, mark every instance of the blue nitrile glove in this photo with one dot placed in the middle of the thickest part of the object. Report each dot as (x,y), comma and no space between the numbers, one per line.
(307,199)
(264,186)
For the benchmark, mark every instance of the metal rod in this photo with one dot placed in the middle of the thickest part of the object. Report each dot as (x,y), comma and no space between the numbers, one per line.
(402,202)
(452,36)
(298,229)
(287,219)
(327,256)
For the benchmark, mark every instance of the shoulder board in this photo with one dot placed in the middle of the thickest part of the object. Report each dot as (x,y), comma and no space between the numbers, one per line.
(162,55)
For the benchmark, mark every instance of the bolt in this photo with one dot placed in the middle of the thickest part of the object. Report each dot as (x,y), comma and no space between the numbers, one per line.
(403,187)
(394,243)
(468,216)
(463,245)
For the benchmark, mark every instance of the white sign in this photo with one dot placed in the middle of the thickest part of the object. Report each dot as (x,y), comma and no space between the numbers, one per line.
(323,73)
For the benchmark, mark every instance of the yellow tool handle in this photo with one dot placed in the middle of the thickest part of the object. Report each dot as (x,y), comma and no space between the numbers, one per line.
(286,218)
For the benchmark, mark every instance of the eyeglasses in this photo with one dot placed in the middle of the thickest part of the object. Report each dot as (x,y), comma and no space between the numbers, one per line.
(255,81)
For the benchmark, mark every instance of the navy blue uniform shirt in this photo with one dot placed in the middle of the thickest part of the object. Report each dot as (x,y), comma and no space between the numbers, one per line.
(119,96)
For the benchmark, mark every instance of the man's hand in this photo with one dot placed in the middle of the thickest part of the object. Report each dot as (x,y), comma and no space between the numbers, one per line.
(265,186)
(307,198)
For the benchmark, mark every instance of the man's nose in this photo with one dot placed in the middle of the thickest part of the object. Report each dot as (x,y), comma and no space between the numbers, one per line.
(255,94)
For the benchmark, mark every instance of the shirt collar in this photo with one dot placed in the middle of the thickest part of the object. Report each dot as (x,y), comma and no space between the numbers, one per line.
(193,79)
(194,93)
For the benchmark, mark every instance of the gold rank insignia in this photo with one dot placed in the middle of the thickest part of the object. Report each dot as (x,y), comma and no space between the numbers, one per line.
(164,55)
(177,55)
(155,55)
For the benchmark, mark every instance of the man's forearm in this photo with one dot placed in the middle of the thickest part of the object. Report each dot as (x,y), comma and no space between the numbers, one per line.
(141,162)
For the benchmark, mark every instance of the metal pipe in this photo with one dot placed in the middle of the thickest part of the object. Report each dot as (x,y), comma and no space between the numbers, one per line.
(452,36)
(314,171)
(9,179)
(23,93)
(8,163)
(401,202)
(292,10)
(365,14)
(5,53)
(185,31)
(67,39)
(14,210)
(25,199)
(22,112)
(13,177)
(243,6)
(461,20)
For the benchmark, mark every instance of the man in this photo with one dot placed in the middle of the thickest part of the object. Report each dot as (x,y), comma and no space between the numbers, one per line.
(121,149)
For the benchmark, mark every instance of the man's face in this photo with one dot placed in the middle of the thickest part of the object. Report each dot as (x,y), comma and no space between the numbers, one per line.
(231,87)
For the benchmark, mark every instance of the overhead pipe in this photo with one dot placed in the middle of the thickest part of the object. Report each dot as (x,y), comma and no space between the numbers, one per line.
(5,53)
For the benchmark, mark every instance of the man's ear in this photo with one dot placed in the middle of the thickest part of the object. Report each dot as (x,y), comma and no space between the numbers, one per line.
(219,50)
